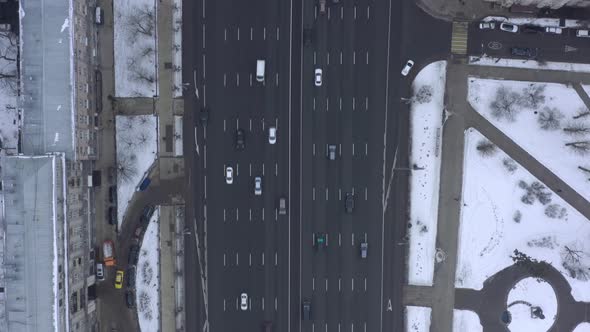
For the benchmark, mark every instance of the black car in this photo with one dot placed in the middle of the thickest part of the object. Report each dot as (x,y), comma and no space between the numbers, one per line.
(240,139)
(146,214)
(133,255)
(112,215)
(130,299)
(112,194)
(349,203)
(306,310)
(204,117)
(532,29)
(524,52)
(130,276)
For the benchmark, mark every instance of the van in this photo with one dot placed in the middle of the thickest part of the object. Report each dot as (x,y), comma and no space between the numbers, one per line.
(98,16)
(260,64)
(282,206)
(322,6)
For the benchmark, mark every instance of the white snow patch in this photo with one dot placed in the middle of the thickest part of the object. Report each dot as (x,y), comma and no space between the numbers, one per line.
(466,321)
(526,295)
(529,64)
(543,21)
(8,103)
(65,25)
(137,149)
(582,327)
(177,56)
(418,319)
(495,222)
(545,145)
(135,52)
(426,127)
(178,136)
(148,277)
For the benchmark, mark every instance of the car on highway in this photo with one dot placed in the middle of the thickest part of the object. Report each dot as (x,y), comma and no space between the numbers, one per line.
(258,186)
(272,135)
(320,240)
(229,175)
(318,77)
(407,68)
(119,279)
(240,139)
(99,271)
(487,25)
(583,33)
(331,152)
(553,30)
(130,299)
(349,203)
(526,52)
(509,27)
(364,249)
(282,206)
(204,117)
(244,301)
(306,310)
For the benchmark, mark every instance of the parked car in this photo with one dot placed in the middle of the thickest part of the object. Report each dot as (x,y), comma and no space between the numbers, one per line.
(138,231)
(146,214)
(407,68)
(487,25)
(99,271)
(582,33)
(145,184)
(133,255)
(131,277)
(113,194)
(529,28)
(524,52)
(553,30)
(509,27)
(130,299)
(112,173)
(112,215)
(318,77)
(119,279)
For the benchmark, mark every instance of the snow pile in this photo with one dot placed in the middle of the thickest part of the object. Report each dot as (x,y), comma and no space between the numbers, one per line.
(466,321)
(148,277)
(8,91)
(417,319)
(505,209)
(548,120)
(524,297)
(177,56)
(582,327)
(137,148)
(529,64)
(426,129)
(538,21)
(135,48)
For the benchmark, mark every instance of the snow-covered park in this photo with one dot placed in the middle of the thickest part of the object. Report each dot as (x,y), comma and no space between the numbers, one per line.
(526,295)
(466,321)
(548,120)
(529,64)
(177,55)
(417,319)
(148,277)
(135,48)
(426,130)
(137,149)
(8,90)
(582,327)
(505,209)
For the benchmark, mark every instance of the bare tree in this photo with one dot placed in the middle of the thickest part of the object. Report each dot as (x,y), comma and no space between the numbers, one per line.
(550,118)
(577,128)
(586,170)
(579,147)
(143,138)
(573,261)
(486,148)
(533,96)
(126,168)
(8,61)
(141,21)
(509,164)
(504,104)
(555,211)
(423,95)
(582,112)
(142,75)
(147,51)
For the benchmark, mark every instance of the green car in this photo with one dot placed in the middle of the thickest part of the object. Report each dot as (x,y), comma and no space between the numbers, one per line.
(320,240)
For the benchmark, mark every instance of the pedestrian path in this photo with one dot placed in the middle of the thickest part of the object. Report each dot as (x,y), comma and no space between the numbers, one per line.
(459,38)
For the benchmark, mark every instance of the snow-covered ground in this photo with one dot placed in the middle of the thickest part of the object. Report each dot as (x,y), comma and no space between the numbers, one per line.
(543,21)
(417,319)
(529,64)
(426,129)
(178,136)
(525,295)
(177,56)
(135,48)
(582,327)
(137,149)
(550,131)
(504,209)
(148,277)
(8,91)
(466,321)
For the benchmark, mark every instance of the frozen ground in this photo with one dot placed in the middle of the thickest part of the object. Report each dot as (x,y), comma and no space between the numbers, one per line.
(417,319)
(137,149)
(505,208)
(528,293)
(135,48)
(529,64)
(544,21)
(582,327)
(8,91)
(148,277)
(466,321)
(426,127)
(177,56)
(543,118)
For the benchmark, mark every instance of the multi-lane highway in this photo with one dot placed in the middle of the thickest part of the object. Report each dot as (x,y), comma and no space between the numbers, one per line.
(244,244)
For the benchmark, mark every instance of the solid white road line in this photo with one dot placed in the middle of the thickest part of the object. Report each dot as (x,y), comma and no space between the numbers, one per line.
(366,193)
(223,299)
(352,284)
(355,12)
(238,33)
(278,33)
(237,214)
(263,303)
(313,194)
(339,239)
(326,284)
(251,33)
(225,34)
(339,287)
(250,79)
(224,259)
(367,58)
(263,258)
(326,194)
(250,214)
(223,214)
(354,57)
(353,149)
(237,259)
(224,79)
(328,58)
(250,259)
(352,239)
(313,149)
(366,103)
(237,79)
(264,33)
(203,35)
(353,103)
(339,194)
(262,214)
(313,283)
(276,259)
(327,103)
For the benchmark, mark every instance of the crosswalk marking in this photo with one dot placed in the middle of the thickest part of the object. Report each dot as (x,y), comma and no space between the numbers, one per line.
(459,38)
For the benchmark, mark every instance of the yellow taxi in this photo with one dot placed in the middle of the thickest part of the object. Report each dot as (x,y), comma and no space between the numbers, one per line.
(119,279)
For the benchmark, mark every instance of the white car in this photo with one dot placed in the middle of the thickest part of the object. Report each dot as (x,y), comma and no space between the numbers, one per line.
(244,301)
(258,186)
(318,77)
(272,135)
(487,25)
(509,27)
(582,33)
(99,271)
(407,67)
(229,175)
(554,30)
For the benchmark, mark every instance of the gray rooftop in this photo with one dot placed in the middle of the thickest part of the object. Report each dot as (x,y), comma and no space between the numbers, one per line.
(29,203)
(46,81)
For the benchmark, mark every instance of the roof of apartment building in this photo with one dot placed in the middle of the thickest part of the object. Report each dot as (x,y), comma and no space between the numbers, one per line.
(33,193)
(47,77)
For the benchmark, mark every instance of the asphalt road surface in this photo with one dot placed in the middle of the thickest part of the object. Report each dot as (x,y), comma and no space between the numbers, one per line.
(245,246)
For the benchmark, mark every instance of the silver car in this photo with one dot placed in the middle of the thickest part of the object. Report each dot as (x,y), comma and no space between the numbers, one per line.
(258,186)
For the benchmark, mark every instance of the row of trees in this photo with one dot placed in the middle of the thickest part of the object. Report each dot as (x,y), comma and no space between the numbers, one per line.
(8,62)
